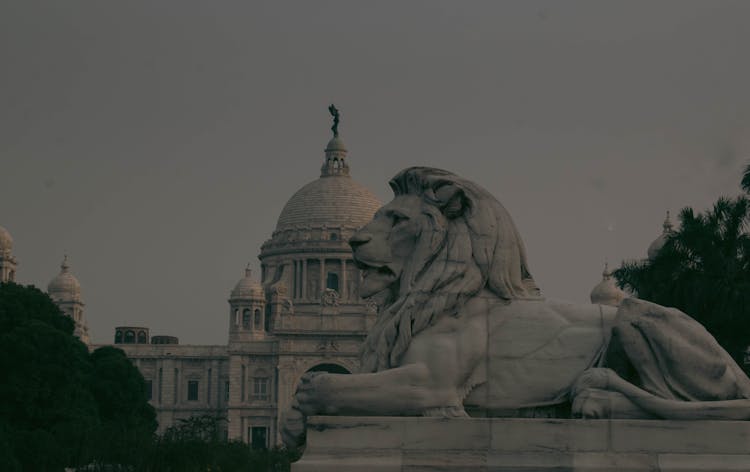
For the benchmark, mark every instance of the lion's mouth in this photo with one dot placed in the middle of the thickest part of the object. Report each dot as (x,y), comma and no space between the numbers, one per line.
(373,267)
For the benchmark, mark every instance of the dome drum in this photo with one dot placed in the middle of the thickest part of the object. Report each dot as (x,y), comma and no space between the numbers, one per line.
(311,240)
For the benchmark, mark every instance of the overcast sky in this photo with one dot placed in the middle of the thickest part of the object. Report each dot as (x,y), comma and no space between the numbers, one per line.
(156,142)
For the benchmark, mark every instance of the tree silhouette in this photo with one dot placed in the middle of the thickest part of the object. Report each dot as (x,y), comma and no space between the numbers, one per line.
(703,270)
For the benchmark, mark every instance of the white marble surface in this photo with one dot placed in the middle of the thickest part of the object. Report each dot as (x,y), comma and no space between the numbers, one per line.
(515,444)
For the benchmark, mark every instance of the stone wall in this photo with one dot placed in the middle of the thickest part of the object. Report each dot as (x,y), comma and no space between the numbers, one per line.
(513,444)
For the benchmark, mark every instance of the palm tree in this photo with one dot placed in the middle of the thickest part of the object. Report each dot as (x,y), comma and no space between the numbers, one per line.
(703,270)
(745,182)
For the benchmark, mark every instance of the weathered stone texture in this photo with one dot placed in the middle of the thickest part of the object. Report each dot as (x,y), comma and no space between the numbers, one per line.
(503,444)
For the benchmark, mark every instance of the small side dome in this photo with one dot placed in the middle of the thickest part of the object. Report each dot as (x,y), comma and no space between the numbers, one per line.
(247,288)
(65,287)
(658,244)
(606,292)
(6,241)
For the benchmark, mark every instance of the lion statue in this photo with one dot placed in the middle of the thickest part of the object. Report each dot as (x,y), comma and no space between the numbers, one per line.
(463,330)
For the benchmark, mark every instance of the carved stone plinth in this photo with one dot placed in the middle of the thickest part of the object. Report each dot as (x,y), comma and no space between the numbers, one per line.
(540,445)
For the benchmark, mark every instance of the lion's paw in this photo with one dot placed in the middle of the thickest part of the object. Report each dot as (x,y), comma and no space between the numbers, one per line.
(313,396)
(591,403)
(599,378)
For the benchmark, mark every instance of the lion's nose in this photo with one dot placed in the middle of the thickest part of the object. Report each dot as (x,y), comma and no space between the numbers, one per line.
(359,239)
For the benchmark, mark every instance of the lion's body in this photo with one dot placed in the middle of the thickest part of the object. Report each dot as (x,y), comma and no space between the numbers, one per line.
(502,357)
(535,352)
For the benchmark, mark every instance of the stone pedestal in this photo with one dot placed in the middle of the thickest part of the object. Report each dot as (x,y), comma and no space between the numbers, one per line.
(387,444)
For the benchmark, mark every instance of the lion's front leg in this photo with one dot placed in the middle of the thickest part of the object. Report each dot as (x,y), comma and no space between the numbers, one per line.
(314,395)
(405,390)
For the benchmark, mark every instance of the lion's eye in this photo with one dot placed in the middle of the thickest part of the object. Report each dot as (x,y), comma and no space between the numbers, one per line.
(398,218)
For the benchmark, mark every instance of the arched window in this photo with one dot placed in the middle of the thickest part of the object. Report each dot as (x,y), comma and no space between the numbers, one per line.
(142,337)
(118,337)
(129,337)
(332,281)
(246,318)
(257,322)
(334,237)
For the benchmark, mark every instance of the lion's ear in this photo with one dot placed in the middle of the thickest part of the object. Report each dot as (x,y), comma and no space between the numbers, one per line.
(453,201)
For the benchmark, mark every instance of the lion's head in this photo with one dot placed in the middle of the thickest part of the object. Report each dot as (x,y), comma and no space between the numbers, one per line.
(439,242)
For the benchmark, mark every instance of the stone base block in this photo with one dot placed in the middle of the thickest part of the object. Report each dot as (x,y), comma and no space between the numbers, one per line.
(389,444)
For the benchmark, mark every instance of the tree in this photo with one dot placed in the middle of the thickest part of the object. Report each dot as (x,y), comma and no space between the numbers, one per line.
(128,422)
(46,407)
(194,444)
(703,270)
(745,182)
(60,406)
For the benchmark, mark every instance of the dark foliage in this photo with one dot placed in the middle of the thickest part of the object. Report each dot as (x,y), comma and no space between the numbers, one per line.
(63,407)
(194,445)
(703,270)
(60,406)
(45,401)
(127,420)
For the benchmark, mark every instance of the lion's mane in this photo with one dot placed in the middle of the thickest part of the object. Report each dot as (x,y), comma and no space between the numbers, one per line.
(472,244)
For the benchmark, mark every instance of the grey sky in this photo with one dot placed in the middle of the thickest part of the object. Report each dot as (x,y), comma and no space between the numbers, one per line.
(156,141)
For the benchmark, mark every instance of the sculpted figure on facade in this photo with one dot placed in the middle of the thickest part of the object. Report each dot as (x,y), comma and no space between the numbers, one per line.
(463,329)
(329,297)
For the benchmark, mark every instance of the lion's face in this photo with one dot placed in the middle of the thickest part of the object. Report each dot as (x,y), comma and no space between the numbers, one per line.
(386,244)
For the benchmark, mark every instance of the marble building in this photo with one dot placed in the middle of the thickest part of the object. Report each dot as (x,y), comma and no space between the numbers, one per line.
(302,314)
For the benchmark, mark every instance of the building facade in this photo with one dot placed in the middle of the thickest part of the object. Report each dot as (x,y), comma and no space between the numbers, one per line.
(302,314)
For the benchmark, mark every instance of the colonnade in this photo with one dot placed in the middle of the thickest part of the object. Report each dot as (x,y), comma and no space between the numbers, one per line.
(301,290)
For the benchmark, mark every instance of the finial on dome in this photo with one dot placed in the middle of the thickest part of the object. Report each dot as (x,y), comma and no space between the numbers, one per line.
(667,225)
(64,266)
(248,270)
(606,274)
(335,114)
(335,162)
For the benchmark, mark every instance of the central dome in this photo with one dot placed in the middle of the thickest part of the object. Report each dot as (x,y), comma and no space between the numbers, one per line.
(330,201)
(335,200)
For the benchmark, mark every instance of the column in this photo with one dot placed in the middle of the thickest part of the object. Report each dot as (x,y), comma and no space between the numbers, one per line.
(343,289)
(293,279)
(304,278)
(322,275)
(297,277)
